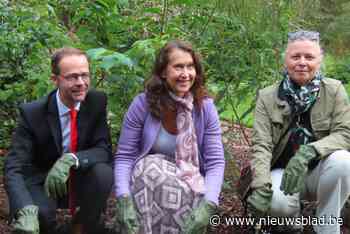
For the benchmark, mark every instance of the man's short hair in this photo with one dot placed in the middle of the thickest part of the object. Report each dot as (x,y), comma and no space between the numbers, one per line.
(59,54)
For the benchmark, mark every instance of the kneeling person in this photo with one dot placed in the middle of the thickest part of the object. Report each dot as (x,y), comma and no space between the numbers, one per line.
(61,152)
(301,138)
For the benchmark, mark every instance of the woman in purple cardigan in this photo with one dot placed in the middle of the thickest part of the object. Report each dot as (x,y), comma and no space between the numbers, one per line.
(169,165)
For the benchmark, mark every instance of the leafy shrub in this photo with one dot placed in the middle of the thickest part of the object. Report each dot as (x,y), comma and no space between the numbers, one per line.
(337,68)
(27,34)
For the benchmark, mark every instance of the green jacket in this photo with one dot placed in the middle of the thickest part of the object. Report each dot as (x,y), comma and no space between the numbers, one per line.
(330,121)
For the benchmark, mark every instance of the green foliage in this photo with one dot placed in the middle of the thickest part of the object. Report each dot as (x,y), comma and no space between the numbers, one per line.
(27,34)
(240,41)
(337,69)
(243,55)
(122,75)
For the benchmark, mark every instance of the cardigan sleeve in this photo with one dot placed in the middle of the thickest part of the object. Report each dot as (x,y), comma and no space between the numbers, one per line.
(213,152)
(129,145)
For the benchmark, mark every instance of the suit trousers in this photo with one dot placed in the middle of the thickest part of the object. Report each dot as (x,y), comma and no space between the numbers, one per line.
(93,187)
(328,184)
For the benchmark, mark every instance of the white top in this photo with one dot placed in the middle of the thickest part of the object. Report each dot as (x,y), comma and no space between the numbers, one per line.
(64,116)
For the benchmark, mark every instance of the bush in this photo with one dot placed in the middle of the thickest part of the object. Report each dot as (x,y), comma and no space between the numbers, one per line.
(338,68)
(27,35)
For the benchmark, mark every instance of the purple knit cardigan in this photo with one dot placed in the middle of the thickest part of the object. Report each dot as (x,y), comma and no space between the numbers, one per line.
(140,130)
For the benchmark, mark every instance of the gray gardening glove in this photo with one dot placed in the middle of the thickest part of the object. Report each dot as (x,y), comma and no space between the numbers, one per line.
(259,202)
(55,183)
(126,216)
(26,221)
(198,219)
(294,175)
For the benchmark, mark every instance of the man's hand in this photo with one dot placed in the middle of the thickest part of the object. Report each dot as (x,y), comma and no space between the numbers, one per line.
(259,202)
(26,221)
(198,219)
(294,175)
(55,183)
(126,217)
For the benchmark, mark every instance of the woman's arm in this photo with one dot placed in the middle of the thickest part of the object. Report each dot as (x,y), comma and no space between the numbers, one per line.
(129,145)
(213,152)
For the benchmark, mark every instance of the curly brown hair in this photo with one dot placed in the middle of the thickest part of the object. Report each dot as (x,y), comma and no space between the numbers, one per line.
(157,89)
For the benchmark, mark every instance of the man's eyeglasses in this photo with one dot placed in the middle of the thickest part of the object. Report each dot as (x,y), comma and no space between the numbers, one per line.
(75,77)
(301,34)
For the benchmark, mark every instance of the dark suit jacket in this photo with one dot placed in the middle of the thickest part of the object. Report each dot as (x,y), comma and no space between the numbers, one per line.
(37,143)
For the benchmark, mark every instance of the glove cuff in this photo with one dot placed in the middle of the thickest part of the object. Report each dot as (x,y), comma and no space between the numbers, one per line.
(76,166)
(210,206)
(31,210)
(309,152)
(71,160)
(123,202)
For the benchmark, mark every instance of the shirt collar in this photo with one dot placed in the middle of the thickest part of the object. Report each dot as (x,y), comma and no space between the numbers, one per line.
(63,109)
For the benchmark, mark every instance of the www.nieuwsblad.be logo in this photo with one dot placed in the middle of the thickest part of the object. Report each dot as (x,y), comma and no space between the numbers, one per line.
(217,220)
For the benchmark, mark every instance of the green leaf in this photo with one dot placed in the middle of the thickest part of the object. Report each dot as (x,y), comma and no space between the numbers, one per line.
(96,54)
(123,3)
(185,2)
(153,10)
(115,60)
(102,3)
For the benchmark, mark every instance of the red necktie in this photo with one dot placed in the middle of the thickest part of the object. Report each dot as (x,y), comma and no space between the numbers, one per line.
(73,149)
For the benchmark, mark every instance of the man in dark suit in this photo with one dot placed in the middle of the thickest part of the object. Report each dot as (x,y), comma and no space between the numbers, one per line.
(61,150)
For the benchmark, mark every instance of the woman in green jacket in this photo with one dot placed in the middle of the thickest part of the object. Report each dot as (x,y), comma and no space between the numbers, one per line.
(301,139)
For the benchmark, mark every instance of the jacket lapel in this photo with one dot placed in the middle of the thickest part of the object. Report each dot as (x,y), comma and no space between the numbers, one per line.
(82,123)
(318,109)
(54,121)
(281,112)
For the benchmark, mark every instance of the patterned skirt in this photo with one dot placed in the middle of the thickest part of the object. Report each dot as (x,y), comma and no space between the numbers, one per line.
(162,200)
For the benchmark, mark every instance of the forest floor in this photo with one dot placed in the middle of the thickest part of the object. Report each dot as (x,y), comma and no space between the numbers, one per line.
(237,150)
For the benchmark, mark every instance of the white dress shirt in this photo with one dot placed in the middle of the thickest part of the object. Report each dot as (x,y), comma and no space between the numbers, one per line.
(64,116)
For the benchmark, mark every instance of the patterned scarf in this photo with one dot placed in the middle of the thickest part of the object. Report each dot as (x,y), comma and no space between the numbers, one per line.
(300,98)
(186,154)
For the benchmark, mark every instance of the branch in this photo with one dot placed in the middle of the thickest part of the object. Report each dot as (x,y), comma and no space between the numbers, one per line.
(164,16)
(247,112)
(209,18)
(237,117)
(99,81)
(239,122)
